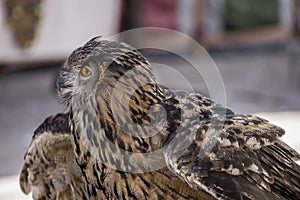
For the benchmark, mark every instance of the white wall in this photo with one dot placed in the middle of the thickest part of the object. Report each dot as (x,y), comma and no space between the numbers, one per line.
(64,25)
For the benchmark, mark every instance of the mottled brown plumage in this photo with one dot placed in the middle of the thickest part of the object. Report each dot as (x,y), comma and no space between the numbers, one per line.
(133,139)
(50,170)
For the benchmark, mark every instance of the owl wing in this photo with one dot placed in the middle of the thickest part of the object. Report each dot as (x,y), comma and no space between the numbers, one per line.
(232,156)
(50,170)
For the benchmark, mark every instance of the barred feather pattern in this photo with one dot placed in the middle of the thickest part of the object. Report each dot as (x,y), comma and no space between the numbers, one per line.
(202,149)
(209,147)
(50,170)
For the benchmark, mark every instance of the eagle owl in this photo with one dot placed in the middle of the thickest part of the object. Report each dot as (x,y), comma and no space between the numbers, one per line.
(126,137)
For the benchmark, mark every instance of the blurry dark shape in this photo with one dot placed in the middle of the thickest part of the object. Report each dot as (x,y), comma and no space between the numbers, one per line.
(131,10)
(183,16)
(160,13)
(297,18)
(155,13)
(200,10)
(23,16)
(294,49)
(294,63)
(245,14)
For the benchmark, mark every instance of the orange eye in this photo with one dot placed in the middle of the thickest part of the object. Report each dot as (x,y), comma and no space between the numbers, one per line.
(85,71)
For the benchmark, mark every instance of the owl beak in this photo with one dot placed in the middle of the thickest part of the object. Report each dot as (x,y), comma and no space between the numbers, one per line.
(61,80)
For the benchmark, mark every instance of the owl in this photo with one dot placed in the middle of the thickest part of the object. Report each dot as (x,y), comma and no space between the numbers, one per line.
(127,137)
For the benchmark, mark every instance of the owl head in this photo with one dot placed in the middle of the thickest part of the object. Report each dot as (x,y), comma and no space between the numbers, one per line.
(100,67)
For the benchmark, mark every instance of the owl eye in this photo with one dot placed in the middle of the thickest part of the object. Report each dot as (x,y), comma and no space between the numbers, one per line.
(85,71)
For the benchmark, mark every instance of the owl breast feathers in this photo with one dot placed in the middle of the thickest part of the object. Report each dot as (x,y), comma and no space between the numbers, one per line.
(126,137)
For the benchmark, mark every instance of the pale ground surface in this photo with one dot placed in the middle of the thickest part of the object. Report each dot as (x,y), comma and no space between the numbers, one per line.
(254,83)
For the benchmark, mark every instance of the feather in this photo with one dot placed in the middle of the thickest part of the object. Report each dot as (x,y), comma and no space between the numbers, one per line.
(127,137)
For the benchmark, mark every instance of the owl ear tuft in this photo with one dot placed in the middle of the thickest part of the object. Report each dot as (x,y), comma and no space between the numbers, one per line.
(97,39)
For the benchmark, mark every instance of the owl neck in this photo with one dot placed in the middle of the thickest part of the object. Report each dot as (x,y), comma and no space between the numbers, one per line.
(129,114)
(120,119)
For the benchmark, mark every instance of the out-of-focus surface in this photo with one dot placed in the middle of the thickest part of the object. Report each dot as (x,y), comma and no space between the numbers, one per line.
(63,26)
(9,189)
(28,98)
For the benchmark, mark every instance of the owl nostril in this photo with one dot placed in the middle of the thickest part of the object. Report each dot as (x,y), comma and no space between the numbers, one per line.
(60,82)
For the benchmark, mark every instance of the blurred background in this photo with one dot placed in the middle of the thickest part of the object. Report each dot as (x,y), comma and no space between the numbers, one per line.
(255,45)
